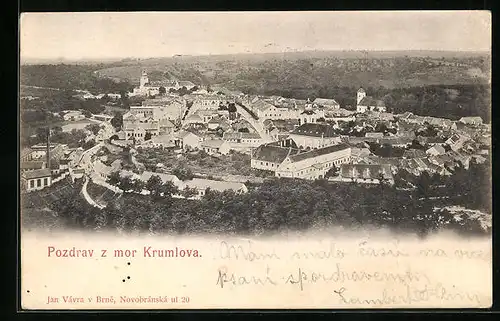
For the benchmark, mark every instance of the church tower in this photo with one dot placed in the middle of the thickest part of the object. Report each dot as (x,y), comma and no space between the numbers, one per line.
(360,95)
(144,78)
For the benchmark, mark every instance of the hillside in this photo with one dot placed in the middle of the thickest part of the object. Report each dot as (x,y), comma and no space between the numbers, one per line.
(308,70)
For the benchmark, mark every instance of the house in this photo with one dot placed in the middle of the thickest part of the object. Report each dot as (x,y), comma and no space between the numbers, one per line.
(395,141)
(32,165)
(146,175)
(269,156)
(358,154)
(215,146)
(209,102)
(152,88)
(103,171)
(311,116)
(187,84)
(26,154)
(218,122)
(414,153)
(435,150)
(162,141)
(136,126)
(250,139)
(435,140)
(36,179)
(311,135)
(366,103)
(201,186)
(102,117)
(313,164)
(265,110)
(471,120)
(456,141)
(73,116)
(187,140)
(361,173)
(133,176)
(40,150)
(114,96)
(374,135)
(330,104)
(193,119)
(77,173)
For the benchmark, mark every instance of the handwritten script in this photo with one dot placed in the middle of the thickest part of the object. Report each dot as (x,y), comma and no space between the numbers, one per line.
(387,273)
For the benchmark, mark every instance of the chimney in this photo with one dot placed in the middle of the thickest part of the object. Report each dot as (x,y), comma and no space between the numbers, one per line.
(47,152)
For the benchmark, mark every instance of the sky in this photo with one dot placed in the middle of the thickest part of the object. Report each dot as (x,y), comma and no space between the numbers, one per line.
(161,34)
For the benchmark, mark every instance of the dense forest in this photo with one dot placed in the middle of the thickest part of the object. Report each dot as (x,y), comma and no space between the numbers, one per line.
(71,77)
(279,205)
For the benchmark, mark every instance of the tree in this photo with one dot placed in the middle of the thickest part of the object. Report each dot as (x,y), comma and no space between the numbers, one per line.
(153,185)
(332,171)
(243,130)
(114,178)
(94,128)
(189,192)
(182,173)
(162,90)
(232,107)
(137,185)
(168,189)
(147,136)
(126,184)
(117,121)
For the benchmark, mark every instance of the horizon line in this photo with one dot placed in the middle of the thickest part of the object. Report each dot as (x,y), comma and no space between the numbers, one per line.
(256,53)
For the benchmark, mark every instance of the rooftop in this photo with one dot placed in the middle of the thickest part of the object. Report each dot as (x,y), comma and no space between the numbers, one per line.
(316,130)
(220,186)
(365,171)
(212,143)
(274,154)
(326,102)
(37,173)
(318,152)
(370,101)
(145,176)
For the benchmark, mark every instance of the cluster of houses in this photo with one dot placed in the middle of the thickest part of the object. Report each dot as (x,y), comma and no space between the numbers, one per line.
(42,165)
(152,88)
(308,139)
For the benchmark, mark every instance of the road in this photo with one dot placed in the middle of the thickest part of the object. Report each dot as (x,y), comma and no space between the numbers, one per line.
(87,196)
(259,127)
(86,157)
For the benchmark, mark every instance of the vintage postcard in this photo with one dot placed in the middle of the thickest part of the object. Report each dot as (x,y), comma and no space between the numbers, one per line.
(255,160)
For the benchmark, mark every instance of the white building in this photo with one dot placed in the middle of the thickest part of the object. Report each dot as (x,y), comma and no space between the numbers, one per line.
(311,135)
(366,103)
(73,116)
(330,104)
(36,179)
(201,186)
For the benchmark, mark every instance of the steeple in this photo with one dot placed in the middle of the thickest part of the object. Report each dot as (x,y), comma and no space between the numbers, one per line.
(360,95)
(144,79)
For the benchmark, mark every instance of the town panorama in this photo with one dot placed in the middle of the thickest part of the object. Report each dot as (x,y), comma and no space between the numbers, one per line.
(258,143)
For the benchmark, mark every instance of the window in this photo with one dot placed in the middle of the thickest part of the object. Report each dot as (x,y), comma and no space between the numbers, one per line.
(32,184)
(38,182)
(45,181)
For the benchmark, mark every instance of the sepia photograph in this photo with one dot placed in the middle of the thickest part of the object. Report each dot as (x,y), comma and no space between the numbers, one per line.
(255,160)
